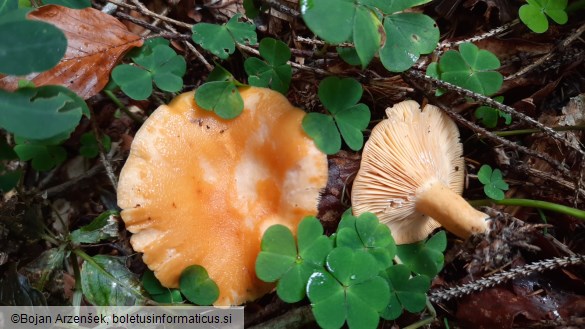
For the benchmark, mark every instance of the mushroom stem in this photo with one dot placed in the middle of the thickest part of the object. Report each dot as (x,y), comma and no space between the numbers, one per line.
(451,210)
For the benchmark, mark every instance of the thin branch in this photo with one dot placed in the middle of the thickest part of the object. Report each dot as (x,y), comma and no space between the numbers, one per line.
(497,105)
(574,36)
(147,12)
(499,278)
(194,50)
(481,132)
(281,8)
(293,64)
(488,34)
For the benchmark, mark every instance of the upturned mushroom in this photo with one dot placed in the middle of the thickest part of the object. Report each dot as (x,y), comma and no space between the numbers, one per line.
(198,189)
(412,173)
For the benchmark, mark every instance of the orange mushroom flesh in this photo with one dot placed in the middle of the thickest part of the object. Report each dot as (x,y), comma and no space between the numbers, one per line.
(198,189)
(412,174)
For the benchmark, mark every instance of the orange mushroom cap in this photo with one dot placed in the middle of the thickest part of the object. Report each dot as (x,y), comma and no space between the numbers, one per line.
(198,189)
(411,175)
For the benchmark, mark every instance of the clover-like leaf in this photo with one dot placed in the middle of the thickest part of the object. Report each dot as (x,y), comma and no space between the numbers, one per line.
(332,20)
(407,292)
(321,128)
(275,72)
(470,68)
(393,6)
(350,291)
(43,157)
(9,178)
(494,184)
(424,257)
(408,35)
(489,116)
(159,293)
(366,34)
(221,40)
(533,13)
(221,97)
(367,234)
(41,113)
(339,96)
(281,260)
(22,43)
(158,63)
(197,286)
(89,145)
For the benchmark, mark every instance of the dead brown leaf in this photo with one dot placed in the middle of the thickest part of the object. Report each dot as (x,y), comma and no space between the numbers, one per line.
(95,43)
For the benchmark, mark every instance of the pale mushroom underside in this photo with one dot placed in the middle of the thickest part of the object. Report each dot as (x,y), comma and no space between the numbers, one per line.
(406,153)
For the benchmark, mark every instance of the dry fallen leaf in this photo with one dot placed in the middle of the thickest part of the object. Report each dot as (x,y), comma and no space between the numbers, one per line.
(95,43)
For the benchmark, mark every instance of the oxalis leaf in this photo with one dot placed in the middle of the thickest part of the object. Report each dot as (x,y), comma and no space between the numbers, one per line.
(41,113)
(24,40)
(339,96)
(275,72)
(494,184)
(469,68)
(489,116)
(220,40)
(406,292)
(292,264)
(159,64)
(159,293)
(106,281)
(221,97)
(408,35)
(44,156)
(350,291)
(197,286)
(366,233)
(533,13)
(424,257)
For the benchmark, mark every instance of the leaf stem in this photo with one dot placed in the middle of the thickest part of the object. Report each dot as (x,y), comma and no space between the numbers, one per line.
(77,293)
(533,204)
(122,107)
(427,320)
(532,131)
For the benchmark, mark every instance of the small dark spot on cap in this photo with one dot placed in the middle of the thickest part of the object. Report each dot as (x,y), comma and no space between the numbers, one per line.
(206,126)
(456,168)
(221,131)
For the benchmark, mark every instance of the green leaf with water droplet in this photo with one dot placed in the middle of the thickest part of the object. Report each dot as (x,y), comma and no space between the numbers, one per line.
(367,234)
(106,281)
(350,291)
(424,257)
(292,263)
(407,292)
(408,35)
